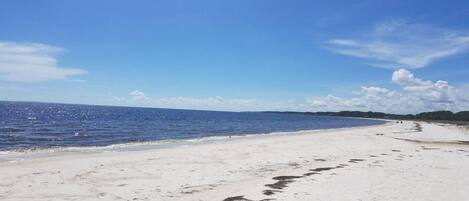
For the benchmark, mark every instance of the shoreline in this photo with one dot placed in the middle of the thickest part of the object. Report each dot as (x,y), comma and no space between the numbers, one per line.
(159,144)
(348,164)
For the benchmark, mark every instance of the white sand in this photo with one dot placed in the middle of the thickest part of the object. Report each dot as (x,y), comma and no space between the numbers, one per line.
(391,169)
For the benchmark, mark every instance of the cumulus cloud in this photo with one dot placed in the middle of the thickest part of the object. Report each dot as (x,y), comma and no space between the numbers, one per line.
(139,98)
(396,43)
(439,91)
(375,91)
(415,95)
(32,62)
(209,103)
(137,95)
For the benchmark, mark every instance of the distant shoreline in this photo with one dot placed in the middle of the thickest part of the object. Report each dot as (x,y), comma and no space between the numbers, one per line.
(363,114)
(461,117)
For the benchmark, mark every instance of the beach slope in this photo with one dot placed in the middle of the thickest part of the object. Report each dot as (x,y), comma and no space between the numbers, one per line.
(409,161)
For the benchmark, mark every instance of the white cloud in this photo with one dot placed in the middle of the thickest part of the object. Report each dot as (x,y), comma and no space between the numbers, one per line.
(32,62)
(137,95)
(415,95)
(406,78)
(209,103)
(438,91)
(375,91)
(139,98)
(393,44)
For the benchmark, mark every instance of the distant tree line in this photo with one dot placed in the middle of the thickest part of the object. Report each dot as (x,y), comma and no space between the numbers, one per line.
(437,115)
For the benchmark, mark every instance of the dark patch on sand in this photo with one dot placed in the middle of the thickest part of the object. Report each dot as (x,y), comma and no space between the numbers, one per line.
(355,160)
(342,165)
(242,198)
(236,198)
(320,159)
(460,142)
(322,169)
(270,192)
(190,191)
(417,127)
(310,173)
(429,148)
(282,181)
(286,177)
(296,165)
(396,150)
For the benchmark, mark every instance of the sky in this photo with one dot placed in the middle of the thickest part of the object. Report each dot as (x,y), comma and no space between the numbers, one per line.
(387,56)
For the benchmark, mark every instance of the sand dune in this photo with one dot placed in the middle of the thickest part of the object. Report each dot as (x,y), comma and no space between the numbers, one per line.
(410,161)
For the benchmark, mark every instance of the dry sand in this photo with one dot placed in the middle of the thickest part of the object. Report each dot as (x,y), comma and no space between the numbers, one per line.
(385,162)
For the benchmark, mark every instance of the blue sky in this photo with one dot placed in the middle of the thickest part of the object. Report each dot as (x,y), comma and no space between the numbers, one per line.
(238,55)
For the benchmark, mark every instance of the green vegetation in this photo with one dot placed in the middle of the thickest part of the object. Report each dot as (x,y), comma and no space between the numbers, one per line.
(430,116)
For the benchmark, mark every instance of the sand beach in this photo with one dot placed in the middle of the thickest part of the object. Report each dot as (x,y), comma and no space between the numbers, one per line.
(408,161)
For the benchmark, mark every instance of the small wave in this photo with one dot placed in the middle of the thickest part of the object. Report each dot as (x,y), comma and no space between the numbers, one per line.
(11,130)
(44,129)
(153,143)
(71,138)
(78,134)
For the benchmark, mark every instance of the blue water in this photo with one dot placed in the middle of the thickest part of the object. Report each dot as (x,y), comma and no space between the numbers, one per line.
(25,125)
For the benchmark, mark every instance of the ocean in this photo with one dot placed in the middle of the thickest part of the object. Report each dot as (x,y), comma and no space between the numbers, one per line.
(30,125)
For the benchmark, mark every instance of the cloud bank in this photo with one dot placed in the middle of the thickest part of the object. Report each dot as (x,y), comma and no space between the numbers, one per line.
(396,43)
(411,95)
(32,62)
(139,98)
(414,95)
